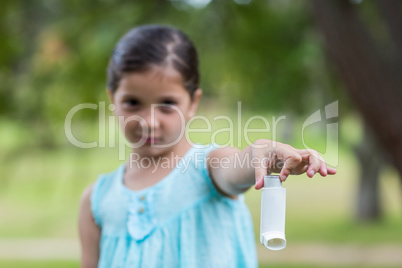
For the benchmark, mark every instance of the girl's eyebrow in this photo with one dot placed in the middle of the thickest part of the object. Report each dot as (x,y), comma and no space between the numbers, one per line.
(129,95)
(169,97)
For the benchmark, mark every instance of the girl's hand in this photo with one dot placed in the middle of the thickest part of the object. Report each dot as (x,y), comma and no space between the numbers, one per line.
(276,157)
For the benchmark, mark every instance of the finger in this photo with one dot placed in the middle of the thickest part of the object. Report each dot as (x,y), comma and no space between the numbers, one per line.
(331,171)
(261,169)
(314,160)
(304,169)
(290,163)
(315,164)
(259,184)
(323,168)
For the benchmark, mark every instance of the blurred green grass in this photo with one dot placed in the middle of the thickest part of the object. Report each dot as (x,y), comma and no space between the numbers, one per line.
(38,264)
(45,187)
(40,190)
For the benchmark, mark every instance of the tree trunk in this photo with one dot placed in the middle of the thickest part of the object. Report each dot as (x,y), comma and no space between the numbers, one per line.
(368,198)
(372,81)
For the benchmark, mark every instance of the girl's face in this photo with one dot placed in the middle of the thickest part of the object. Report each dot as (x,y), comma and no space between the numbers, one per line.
(153,108)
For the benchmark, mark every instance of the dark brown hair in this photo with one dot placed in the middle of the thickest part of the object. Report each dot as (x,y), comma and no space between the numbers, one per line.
(149,45)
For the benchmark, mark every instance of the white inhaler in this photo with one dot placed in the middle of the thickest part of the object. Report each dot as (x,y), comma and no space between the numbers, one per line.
(273,208)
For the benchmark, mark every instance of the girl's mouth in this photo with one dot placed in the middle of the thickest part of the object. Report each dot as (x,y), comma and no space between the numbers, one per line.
(149,140)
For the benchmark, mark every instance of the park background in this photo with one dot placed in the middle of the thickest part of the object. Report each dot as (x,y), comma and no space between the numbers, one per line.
(275,57)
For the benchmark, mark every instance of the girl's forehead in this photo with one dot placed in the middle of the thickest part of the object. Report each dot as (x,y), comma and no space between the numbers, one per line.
(157,73)
(158,80)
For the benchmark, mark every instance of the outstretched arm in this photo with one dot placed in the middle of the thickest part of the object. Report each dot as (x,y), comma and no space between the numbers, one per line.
(234,171)
(89,232)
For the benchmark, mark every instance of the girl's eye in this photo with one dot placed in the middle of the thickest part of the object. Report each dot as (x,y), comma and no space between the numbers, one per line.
(167,105)
(131,103)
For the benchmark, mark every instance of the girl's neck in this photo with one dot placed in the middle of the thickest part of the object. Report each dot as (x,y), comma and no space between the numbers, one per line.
(178,150)
(146,171)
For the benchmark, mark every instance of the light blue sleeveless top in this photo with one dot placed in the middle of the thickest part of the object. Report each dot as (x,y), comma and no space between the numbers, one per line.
(181,221)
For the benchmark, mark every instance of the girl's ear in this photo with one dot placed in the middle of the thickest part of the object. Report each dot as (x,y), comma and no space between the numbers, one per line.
(194,102)
(111,96)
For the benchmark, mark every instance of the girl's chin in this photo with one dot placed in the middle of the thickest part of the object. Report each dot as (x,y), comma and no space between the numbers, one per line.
(147,143)
(153,144)
(151,151)
(150,146)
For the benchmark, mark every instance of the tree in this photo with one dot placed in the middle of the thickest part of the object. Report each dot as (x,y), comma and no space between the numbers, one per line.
(55,54)
(370,68)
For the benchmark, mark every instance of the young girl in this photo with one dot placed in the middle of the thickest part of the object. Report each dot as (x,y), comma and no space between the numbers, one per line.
(188,211)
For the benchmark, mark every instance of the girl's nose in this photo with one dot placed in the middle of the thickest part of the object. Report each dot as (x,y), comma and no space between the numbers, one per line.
(151,119)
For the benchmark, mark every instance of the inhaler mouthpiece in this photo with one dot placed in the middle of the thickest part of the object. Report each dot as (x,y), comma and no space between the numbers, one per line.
(273,208)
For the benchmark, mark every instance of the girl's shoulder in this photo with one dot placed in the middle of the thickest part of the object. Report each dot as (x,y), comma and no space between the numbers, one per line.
(106,180)
(104,185)
(191,176)
(200,153)
(86,198)
(196,160)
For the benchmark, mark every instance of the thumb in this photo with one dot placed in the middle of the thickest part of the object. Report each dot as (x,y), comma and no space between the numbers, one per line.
(260,171)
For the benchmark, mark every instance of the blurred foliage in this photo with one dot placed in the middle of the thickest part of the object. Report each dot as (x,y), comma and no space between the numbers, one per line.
(265,53)
(54,54)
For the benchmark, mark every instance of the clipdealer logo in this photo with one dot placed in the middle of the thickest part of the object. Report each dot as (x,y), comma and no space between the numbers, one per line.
(109,133)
